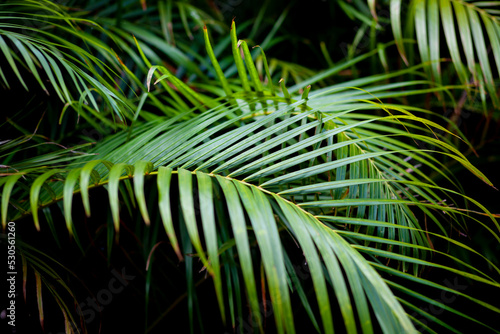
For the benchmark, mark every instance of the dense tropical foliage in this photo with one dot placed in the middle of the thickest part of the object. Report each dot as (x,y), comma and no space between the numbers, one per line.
(168,168)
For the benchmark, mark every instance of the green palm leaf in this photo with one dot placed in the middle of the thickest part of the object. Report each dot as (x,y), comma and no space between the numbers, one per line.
(478,26)
(334,170)
(252,180)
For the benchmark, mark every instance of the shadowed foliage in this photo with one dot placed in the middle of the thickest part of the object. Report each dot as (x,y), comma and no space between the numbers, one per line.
(150,138)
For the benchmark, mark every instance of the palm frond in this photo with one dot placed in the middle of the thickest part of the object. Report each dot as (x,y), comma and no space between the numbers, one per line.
(471,31)
(345,172)
(28,40)
(244,178)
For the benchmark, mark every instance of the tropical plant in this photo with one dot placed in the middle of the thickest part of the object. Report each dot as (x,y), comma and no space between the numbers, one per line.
(335,205)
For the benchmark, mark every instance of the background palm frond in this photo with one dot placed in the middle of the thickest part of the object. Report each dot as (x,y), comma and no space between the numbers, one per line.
(349,176)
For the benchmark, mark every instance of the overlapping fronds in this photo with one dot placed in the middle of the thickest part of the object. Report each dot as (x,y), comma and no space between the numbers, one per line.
(344,169)
(471,32)
(335,171)
(32,43)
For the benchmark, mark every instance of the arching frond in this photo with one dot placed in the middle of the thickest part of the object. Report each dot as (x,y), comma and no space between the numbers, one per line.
(344,169)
